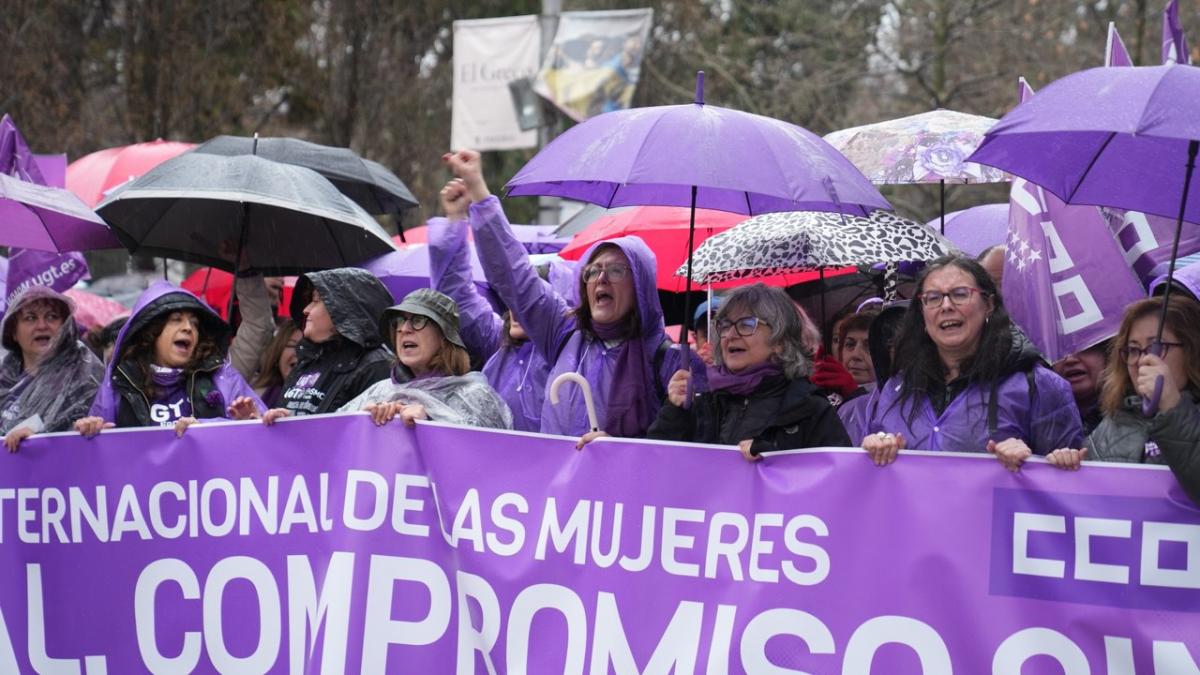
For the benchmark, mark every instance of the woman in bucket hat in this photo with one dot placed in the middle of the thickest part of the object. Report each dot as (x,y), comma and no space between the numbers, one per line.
(431,378)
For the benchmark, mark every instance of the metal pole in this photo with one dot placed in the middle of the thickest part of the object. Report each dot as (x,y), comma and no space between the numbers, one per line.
(549,208)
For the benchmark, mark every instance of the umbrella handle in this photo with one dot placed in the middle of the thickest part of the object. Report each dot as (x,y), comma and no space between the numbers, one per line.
(587,395)
(1150,405)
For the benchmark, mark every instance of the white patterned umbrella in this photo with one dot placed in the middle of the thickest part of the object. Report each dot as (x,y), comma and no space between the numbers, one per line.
(926,148)
(795,241)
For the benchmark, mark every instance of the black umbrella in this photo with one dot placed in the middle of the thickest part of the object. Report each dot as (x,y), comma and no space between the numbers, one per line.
(370,184)
(275,218)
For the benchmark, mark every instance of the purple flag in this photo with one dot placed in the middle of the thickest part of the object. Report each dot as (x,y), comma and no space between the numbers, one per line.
(329,545)
(1071,279)
(1174,42)
(1145,240)
(27,267)
(1115,53)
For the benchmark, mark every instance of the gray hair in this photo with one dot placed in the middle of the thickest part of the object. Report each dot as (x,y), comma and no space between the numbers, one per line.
(774,308)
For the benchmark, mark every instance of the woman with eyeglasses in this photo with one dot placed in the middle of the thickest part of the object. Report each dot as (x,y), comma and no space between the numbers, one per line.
(1172,435)
(967,380)
(759,396)
(614,338)
(431,378)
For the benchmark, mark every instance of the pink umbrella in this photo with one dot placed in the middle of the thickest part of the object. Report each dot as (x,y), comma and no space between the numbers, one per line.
(91,176)
(92,310)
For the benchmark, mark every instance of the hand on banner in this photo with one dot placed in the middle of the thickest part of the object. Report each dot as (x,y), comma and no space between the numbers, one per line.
(1012,452)
(466,164)
(182,424)
(273,414)
(1150,368)
(455,200)
(1067,459)
(242,408)
(883,447)
(677,387)
(409,414)
(90,426)
(744,447)
(382,413)
(13,439)
(589,437)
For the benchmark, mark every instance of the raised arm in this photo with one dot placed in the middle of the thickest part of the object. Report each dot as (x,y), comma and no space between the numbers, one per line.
(541,311)
(450,273)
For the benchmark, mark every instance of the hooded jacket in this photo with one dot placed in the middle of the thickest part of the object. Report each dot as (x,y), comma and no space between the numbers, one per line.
(552,327)
(328,374)
(210,388)
(516,372)
(1029,401)
(781,414)
(61,389)
(1171,438)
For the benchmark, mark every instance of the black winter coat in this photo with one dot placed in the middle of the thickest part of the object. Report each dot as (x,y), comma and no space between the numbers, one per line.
(781,414)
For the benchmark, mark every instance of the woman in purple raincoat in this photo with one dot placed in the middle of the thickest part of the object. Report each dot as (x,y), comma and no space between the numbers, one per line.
(968,381)
(614,338)
(513,367)
(170,368)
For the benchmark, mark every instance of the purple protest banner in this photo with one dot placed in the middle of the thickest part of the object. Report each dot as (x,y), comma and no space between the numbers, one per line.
(330,545)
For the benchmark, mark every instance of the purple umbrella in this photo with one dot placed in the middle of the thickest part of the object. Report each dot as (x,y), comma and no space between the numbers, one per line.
(1121,137)
(39,216)
(975,229)
(407,269)
(697,155)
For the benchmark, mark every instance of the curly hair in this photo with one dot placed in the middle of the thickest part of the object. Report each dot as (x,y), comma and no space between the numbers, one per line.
(139,348)
(774,308)
(922,369)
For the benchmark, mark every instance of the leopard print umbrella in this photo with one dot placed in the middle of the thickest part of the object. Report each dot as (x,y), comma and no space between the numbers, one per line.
(782,243)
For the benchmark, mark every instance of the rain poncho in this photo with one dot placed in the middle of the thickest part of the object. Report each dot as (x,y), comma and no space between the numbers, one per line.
(209,389)
(552,328)
(61,390)
(330,373)
(1171,438)
(455,399)
(516,372)
(1029,402)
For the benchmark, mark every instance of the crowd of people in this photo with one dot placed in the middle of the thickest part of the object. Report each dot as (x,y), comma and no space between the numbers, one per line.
(947,370)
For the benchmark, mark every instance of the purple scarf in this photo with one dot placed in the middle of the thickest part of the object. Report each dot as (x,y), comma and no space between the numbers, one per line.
(743,383)
(630,409)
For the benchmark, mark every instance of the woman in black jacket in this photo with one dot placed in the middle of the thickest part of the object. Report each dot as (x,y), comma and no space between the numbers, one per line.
(340,354)
(759,397)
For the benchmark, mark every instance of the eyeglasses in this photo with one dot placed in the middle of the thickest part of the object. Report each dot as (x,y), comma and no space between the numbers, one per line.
(417,321)
(744,326)
(958,296)
(614,272)
(1133,353)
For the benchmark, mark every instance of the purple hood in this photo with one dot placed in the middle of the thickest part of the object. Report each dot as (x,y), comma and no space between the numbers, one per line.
(159,298)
